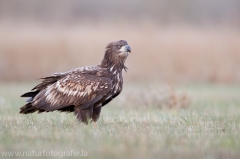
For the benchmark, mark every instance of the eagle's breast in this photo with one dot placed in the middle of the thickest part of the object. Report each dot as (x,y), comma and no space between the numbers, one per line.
(117,80)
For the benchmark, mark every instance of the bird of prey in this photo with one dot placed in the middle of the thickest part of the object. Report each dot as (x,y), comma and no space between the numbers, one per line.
(84,90)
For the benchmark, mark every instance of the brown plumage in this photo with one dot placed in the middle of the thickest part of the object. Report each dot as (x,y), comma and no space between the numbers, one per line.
(84,90)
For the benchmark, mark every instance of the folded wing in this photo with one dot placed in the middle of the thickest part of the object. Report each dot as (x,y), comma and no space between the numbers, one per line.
(82,90)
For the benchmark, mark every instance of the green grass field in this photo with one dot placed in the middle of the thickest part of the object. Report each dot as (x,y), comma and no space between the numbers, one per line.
(137,124)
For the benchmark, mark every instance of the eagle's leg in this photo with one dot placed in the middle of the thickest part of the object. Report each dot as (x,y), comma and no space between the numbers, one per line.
(96,112)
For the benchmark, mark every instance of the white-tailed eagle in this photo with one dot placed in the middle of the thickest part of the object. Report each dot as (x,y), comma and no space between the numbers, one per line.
(84,90)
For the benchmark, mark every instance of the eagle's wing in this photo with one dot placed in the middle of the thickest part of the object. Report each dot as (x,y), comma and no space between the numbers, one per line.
(73,89)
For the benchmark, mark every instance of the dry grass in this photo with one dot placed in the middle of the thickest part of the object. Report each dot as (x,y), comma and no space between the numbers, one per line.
(181,53)
(207,129)
(164,97)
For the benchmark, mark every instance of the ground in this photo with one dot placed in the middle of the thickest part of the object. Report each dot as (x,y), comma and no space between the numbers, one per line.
(131,126)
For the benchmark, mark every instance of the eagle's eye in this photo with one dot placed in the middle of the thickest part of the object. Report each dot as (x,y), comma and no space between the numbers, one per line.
(119,47)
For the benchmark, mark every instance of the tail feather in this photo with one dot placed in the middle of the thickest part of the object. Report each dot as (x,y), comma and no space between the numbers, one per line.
(28,108)
(30,94)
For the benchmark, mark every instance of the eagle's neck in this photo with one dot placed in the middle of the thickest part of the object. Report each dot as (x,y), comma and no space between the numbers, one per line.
(111,62)
(115,67)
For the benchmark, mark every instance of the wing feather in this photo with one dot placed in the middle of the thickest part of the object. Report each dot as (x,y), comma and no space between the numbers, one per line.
(73,89)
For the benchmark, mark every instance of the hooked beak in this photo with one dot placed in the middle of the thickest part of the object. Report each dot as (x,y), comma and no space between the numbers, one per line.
(125,48)
(128,48)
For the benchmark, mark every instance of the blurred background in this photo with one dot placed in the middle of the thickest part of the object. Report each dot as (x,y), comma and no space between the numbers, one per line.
(178,41)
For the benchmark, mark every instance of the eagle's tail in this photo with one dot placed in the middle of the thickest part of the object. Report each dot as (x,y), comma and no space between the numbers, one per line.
(28,108)
(30,94)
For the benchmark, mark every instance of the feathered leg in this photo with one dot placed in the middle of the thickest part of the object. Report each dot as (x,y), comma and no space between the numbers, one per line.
(83,115)
(96,113)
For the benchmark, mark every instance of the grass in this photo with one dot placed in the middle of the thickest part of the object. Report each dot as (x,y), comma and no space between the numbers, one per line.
(208,128)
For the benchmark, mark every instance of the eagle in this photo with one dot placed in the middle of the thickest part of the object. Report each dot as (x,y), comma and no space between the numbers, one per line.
(83,90)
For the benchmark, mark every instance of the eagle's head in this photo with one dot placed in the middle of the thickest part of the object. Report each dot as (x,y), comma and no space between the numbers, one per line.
(119,48)
(116,53)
